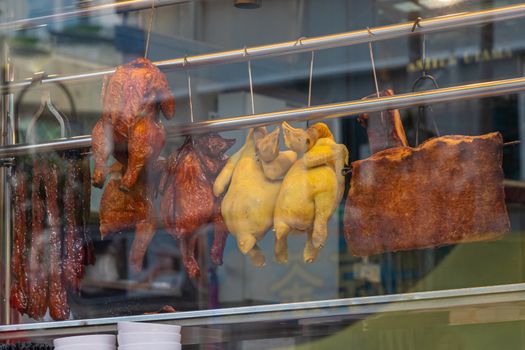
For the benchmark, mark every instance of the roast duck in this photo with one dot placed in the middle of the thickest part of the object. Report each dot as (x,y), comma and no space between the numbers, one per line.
(250,182)
(188,205)
(447,190)
(311,190)
(51,243)
(130,130)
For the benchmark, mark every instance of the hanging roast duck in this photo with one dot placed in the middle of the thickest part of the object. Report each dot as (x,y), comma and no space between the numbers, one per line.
(188,204)
(130,128)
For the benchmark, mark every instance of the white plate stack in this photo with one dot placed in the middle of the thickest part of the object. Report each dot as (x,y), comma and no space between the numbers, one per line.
(86,342)
(140,336)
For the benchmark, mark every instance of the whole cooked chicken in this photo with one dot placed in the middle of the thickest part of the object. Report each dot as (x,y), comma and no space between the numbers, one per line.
(252,185)
(134,209)
(130,128)
(188,204)
(311,189)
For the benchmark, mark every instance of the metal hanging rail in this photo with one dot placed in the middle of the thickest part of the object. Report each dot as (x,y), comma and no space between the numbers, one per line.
(123,6)
(450,299)
(335,110)
(316,43)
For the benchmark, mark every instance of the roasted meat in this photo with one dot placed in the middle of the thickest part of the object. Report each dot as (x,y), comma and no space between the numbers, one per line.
(250,186)
(38,263)
(311,190)
(384,129)
(19,285)
(188,204)
(448,190)
(58,305)
(130,128)
(84,190)
(74,245)
(134,209)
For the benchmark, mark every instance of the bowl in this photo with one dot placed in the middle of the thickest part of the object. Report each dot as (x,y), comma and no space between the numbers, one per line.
(148,337)
(108,339)
(156,346)
(142,327)
(86,346)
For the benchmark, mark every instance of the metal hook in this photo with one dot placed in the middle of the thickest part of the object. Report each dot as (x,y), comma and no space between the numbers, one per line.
(152,14)
(424,76)
(246,54)
(45,101)
(346,170)
(417,23)
(185,64)
(299,41)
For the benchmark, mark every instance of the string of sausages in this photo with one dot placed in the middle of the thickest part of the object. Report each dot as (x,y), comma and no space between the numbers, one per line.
(51,244)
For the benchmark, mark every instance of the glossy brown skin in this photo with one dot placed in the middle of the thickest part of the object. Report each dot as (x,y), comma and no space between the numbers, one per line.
(73,235)
(19,285)
(188,203)
(38,264)
(134,209)
(385,129)
(129,128)
(448,190)
(58,305)
(85,199)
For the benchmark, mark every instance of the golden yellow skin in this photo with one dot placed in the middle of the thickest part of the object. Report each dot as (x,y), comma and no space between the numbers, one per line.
(249,203)
(311,190)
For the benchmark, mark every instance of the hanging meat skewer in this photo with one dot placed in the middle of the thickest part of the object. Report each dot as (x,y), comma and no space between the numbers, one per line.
(188,203)
(85,198)
(38,263)
(73,236)
(19,287)
(58,305)
(59,249)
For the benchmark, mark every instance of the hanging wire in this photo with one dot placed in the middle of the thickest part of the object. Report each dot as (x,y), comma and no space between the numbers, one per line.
(245,54)
(376,83)
(150,26)
(370,48)
(424,76)
(311,76)
(311,79)
(185,65)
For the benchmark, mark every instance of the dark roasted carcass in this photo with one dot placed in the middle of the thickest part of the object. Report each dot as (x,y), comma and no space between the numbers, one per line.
(188,203)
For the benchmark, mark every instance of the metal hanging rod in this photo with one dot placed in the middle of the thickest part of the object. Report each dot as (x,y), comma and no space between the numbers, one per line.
(313,44)
(123,6)
(335,110)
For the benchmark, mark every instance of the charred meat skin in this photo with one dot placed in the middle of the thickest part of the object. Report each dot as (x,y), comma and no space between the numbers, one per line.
(188,203)
(19,286)
(58,304)
(129,128)
(38,264)
(448,190)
